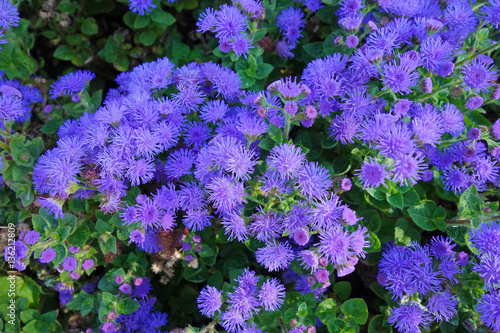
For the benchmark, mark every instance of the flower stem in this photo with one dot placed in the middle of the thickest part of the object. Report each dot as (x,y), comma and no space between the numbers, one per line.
(489,49)
(288,127)
(209,326)
(283,327)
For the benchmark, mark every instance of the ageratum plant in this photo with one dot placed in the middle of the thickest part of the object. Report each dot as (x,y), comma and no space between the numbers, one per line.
(250,166)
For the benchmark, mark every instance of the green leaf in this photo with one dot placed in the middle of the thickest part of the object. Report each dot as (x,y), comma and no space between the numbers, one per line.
(395,199)
(263,70)
(127,306)
(147,37)
(336,325)
(162,18)
(275,133)
(302,311)
(49,317)
(470,204)
(326,310)
(80,236)
(328,143)
(121,63)
(51,127)
(342,289)
(64,52)
(315,49)
(29,315)
(422,215)
(87,306)
(378,324)
(89,26)
(357,309)
(103,227)
(439,216)
(266,144)
(404,233)
(67,6)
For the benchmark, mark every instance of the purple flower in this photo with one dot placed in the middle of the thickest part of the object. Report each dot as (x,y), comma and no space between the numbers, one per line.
(31,237)
(141,7)
(399,79)
(309,260)
(244,302)
(334,244)
(372,173)
(408,168)
(9,15)
(344,128)
(140,171)
(47,255)
(409,318)
(125,288)
(478,76)
(474,102)
(214,111)
(225,193)
(179,163)
(489,309)
(52,205)
(235,227)
(486,238)
(453,120)
(489,269)
(69,264)
(291,21)
(286,159)
(435,52)
(209,301)
(266,226)
(272,294)
(442,247)
(275,256)
(327,213)
(87,264)
(313,180)
(229,23)
(456,179)
(301,236)
(491,13)
(71,83)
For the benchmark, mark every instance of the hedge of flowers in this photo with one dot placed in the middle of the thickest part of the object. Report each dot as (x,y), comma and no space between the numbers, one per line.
(250,166)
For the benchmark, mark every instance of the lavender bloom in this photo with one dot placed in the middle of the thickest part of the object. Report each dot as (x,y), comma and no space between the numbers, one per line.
(53,206)
(87,264)
(313,180)
(489,309)
(409,318)
(47,255)
(31,237)
(272,294)
(9,15)
(286,159)
(71,83)
(435,52)
(398,79)
(486,238)
(69,264)
(229,23)
(335,245)
(408,168)
(489,269)
(266,226)
(291,21)
(275,256)
(478,76)
(372,173)
(456,179)
(491,13)
(209,301)
(141,7)
(441,247)
(225,194)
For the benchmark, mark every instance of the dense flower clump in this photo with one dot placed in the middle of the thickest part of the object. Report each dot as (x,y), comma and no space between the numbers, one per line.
(300,143)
